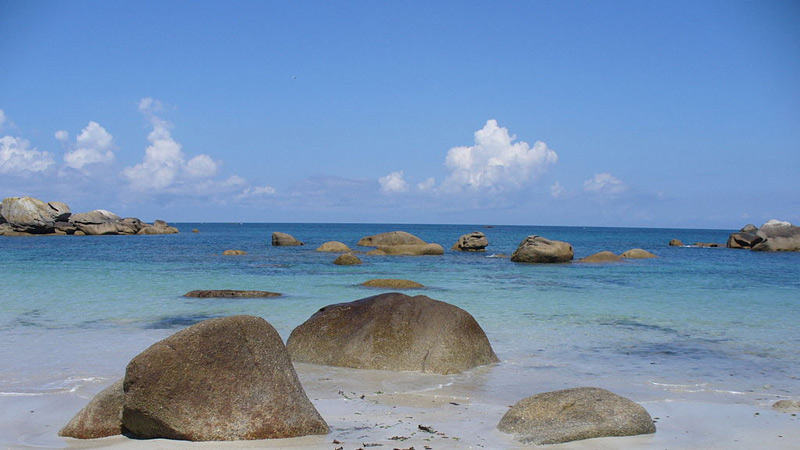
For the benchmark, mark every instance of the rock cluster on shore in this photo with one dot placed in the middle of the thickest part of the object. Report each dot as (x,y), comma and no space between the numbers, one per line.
(25,216)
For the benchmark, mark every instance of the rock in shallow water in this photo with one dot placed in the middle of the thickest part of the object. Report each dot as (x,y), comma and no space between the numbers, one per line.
(574,414)
(102,417)
(537,249)
(392,331)
(230,293)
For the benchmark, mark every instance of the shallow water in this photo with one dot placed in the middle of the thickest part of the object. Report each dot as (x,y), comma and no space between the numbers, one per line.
(695,323)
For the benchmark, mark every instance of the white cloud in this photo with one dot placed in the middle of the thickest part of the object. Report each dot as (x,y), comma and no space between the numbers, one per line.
(604,184)
(393,183)
(556,189)
(16,158)
(94,145)
(62,136)
(427,185)
(256,191)
(164,165)
(495,162)
(2,118)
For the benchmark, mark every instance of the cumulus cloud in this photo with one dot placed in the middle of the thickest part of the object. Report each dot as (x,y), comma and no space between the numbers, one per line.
(164,165)
(496,162)
(556,189)
(62,136)
(604,184)
(427,185)
(17,159)
(393,183)
(94,145)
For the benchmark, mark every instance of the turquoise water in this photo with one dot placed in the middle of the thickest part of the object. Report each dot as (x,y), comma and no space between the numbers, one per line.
(708,322)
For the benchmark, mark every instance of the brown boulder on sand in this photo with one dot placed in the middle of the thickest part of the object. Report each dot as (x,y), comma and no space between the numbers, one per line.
(221,379)
(392,283)
(392,331)
(574,414)
(101,417)
(537,249)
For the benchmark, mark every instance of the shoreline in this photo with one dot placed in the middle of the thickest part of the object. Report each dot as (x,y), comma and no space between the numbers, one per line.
(361,415)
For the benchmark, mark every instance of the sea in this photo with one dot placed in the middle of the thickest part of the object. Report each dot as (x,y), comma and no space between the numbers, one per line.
(694,323)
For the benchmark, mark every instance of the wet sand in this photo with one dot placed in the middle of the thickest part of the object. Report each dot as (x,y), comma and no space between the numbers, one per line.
(370,409)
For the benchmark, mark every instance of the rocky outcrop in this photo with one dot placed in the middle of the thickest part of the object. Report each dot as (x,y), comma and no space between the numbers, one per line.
(787,406)
(221,379)
(27,216)
(778,236)
(391,238)
(636,253)
(347,259)
(392,283)
(574,414)
(601,257)
(537,249)
(472,242)
(333,246)
(675,243)
(749,228)
(743,240)
(102,417)
(230,293)
(392,331)
(233,252)
(284,240)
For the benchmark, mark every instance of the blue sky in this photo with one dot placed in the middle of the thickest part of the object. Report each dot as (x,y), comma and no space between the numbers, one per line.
(609,113)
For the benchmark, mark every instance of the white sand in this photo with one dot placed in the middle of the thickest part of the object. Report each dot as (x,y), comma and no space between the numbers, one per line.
(395,405)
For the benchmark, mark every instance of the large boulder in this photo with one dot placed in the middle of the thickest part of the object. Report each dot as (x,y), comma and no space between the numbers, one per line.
(96,216)
(574,414)
(778,236)
(472,242)
(333,246)
(537,249)
(284,240)
(29,215)
(158,227)
(222,379)
(743,240)
(390,239)
(392,331)
(636,253)
(101,417)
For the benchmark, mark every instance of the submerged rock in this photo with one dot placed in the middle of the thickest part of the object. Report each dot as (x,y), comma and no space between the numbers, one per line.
(410,250)
(537,249)
(392,283)
(391,238)
(574,414)
(101,417)
(230,293)
(392,331)
(472,242)
(284,240)
(234,252)
(637,253)
(333,246)
(601,257)
(221,379)
(347,259)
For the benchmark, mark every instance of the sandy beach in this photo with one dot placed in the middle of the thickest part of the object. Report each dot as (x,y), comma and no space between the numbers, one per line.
(372,409)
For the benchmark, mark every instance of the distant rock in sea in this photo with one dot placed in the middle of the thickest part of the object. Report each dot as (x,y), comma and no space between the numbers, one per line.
(675,243)
(601,257)
(637,253)
(390,239)
(334,247)
(538,249)
(284,240)
(347,259)
(230,293)
(29,216)
(575,414)
(472,242)
(233,252)
(395,332)
(392,283)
